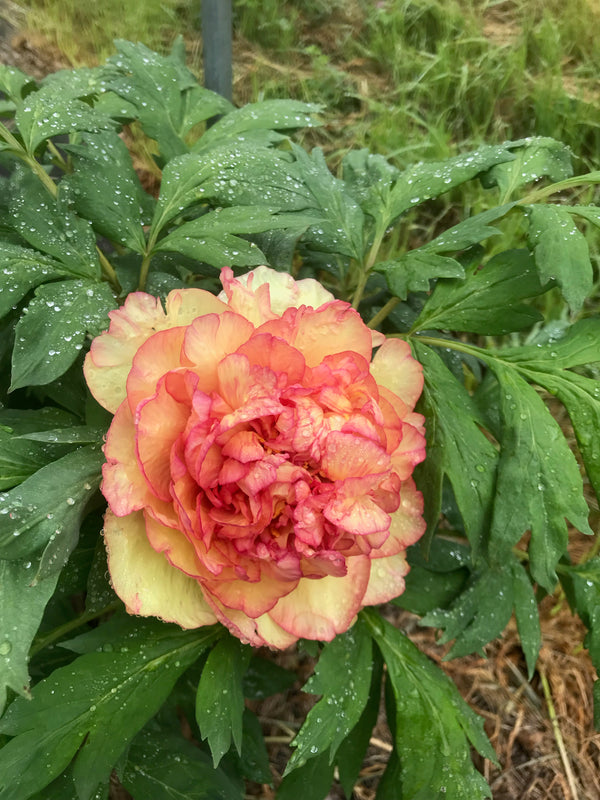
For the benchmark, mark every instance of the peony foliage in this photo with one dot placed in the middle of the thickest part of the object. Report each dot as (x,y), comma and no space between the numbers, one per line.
(240,416)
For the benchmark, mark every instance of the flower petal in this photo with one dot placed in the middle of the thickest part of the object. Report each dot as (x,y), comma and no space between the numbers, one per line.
(144,579)
(394,367)
(386,580)
(320,609)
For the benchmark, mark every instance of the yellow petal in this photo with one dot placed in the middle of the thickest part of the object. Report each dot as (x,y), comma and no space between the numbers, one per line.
(144,579)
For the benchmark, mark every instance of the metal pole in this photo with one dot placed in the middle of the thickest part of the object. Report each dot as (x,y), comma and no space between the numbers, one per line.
(217,46)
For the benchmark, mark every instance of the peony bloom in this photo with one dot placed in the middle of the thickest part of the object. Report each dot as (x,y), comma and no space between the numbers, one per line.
(258,466)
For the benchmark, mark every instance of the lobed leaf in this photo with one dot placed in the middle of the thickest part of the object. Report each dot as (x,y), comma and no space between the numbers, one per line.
(50,111)
(52,330)
(220,698)
(456,448)
(539,156)
(164,94)
(93,708)
(163,766)
(343,678)
(52,228)
(22,604)
(413,271)
(106,189)
(268,115)
(539,485)
(488,301)
(561,252)
(434,727)
(45,511)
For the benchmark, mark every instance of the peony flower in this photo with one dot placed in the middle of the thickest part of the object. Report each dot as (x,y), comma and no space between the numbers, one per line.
(258,466)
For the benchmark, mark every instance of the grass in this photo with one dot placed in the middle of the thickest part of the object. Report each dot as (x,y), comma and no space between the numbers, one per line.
(407,78)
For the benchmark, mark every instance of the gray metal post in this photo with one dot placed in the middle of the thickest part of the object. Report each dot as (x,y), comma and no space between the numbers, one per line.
(217,46)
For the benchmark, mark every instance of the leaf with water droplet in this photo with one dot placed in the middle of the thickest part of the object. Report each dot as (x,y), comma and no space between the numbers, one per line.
(21,608)
(488,301)
(35,514)
(539,484)
(220,699)
(162,765)
(561,252)
(21,457)
(51,227)
(267,115)
(94,707)
(433,727)
(342,677)
(456,446)
(50,111)
(539,156)
(164,93)
(50,335)
(105,189)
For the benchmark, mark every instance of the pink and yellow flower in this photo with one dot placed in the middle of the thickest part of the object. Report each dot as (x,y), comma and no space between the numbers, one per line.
(258,466)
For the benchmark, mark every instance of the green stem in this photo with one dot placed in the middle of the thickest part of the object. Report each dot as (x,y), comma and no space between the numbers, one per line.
(383,312)
(452,344)
(144,269)
(367,266)
(62,630)
(109,271)
(561,186)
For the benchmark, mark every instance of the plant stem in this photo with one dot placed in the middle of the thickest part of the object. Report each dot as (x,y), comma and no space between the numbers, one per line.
(570,183)
(383,312)
(367,266)
(62,630)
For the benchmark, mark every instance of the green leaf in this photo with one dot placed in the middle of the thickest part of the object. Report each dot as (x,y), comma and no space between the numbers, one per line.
(456,448)
(49,111)
(106,190)
(413,271)
(13,82)
(342,677)
(341,223)
(311,781)
(45,511)
(163,766)
(51,332)
(254,759)
(276,115)
(209,237)
(158,87)
(94,707)
(545,365)
(539,485)
(422,182)
(21,270)
(488,301)
(527,615)
(478,615)
(539,157)
(368,177)
(264,678)
(21,608)
(470,231)
(390,784)
(434,726)
(220,698)
(52,228)
(20,457)
(351,752)
(582,587)
(561,252)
